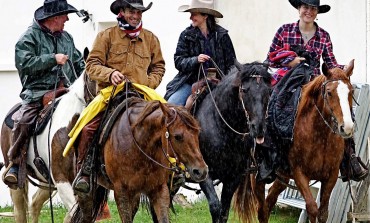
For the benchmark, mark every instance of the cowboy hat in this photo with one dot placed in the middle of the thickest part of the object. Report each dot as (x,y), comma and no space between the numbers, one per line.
(53,8)
(201,6)
(136,4)
(315,3)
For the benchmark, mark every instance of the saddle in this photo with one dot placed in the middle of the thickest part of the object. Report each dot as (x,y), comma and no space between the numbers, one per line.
(200,89)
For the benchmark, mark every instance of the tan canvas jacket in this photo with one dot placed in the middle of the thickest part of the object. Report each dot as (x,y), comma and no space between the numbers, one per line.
(139,59)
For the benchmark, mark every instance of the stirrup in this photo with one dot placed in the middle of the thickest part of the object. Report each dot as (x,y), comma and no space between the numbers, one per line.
(10,179)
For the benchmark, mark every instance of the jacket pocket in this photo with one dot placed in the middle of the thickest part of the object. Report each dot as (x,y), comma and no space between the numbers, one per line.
(142,58)
(117,54)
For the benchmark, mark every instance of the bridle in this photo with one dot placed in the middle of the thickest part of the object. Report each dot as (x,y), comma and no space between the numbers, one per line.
(175,165)
(333,119)
(241,91)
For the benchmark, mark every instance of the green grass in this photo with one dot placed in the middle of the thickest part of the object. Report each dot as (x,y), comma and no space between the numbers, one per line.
(198,213)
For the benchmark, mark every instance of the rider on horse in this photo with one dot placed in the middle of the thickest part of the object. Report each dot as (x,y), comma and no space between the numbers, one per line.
(315,42)
(39,53)
(110,64)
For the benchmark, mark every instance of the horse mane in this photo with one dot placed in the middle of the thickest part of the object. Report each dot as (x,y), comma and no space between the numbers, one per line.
(313,88)
(183,113)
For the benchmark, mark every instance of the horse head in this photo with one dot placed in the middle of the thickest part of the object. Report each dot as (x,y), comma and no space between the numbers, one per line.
(254,87)
(336,92)
(181,140)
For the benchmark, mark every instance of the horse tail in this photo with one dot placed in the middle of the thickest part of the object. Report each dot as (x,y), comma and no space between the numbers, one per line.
(245,201)
(99,199)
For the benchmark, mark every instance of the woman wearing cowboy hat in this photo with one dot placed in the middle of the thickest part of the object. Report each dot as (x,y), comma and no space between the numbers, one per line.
(40,49)
(316,41)
(126,51)
(204,39)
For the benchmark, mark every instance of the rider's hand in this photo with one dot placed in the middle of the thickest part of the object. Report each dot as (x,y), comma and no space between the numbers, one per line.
(61,58)
(203,58)
(116,78)
(296,61)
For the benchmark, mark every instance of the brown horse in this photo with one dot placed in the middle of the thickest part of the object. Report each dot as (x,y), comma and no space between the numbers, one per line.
(323,121)
(137,157)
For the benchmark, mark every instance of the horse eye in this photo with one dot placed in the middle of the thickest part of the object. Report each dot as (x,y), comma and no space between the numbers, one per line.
(329,93)
(179,137)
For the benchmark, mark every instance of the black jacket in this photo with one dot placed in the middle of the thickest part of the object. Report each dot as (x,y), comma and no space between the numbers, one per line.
(190,45)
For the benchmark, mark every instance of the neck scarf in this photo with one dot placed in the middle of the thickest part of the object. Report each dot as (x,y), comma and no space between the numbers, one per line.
(127,28)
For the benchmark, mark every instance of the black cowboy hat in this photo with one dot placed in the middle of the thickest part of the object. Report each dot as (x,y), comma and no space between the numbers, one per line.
(137,4)
(315,3)
(53,8)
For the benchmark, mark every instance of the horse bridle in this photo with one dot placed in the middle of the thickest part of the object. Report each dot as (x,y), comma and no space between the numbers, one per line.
(334,120)
(176,166)
(241,90)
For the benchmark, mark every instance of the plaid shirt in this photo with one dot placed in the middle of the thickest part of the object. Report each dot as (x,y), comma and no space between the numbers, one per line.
(319,44)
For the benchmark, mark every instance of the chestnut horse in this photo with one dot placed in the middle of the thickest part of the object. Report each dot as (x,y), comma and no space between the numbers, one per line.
(322,124)
(137,158)
(62,169)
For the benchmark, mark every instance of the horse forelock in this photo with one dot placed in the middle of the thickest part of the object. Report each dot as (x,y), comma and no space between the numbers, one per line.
(187,118)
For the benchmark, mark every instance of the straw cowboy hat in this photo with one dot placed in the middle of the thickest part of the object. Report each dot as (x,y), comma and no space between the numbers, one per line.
(137,4)
(53,8)
(201,6)
(315,3)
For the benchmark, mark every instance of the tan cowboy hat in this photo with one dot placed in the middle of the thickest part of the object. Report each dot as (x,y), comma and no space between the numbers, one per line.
(53,8)
(315,3)
(136,4)
(201,6)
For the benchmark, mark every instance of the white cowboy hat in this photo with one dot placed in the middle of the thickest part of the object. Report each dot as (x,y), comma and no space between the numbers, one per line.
(201,6)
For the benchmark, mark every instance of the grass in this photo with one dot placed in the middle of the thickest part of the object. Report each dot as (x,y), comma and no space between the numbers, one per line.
(197,213)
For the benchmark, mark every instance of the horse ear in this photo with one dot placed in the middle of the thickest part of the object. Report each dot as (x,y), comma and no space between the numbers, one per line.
(86,53)
(325,69)
(165,109)
(238,65)
(349,69)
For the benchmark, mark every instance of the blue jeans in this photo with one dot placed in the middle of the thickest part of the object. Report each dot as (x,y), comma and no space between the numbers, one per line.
(181,95)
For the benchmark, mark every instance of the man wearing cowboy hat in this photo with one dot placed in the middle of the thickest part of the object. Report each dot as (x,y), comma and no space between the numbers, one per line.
(126,51)
(44,46)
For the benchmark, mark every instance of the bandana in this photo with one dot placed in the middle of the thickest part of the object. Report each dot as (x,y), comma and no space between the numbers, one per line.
(127,28)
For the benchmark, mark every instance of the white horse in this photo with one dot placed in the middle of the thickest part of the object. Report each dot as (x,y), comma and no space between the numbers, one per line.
(62,169)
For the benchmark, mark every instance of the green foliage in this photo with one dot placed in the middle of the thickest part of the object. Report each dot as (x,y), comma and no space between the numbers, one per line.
(197,213)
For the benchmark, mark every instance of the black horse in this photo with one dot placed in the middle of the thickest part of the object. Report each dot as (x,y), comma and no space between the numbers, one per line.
(232,119)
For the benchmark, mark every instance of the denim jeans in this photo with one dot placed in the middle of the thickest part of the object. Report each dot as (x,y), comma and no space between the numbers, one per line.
(181,95)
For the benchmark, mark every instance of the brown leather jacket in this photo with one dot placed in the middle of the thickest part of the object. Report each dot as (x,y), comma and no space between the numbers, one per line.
(139,59)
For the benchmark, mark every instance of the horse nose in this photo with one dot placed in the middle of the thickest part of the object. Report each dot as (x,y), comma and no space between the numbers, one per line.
(199,174)
(346,130)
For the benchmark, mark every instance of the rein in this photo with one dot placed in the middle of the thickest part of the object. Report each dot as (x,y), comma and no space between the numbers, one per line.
(244,134)
(326,102)
(175,168)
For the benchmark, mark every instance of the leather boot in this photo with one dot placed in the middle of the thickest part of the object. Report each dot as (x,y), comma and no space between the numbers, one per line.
(20,137)
(352,168)
(82,180)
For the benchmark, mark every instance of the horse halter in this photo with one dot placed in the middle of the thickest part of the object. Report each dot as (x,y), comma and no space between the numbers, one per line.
(333,119)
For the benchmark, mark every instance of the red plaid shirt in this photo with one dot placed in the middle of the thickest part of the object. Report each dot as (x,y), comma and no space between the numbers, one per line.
(319,45)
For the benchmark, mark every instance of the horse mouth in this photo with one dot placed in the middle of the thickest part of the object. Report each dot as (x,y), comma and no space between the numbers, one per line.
(260,139)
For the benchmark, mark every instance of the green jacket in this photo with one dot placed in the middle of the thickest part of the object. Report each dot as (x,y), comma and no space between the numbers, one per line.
(35,58)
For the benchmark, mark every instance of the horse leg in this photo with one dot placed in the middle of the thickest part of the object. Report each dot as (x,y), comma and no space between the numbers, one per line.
(325,192)
(211,195)
(160,200)
(228,190)
(124,200)
(68,198)
(259,190)
(20,203)
(302,183)
(38,199)
(272,196)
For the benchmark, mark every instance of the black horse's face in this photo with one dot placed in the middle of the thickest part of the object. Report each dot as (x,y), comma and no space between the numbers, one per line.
(254,91)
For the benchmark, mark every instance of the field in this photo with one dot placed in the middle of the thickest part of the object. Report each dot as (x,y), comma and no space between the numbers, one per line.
(195,213)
